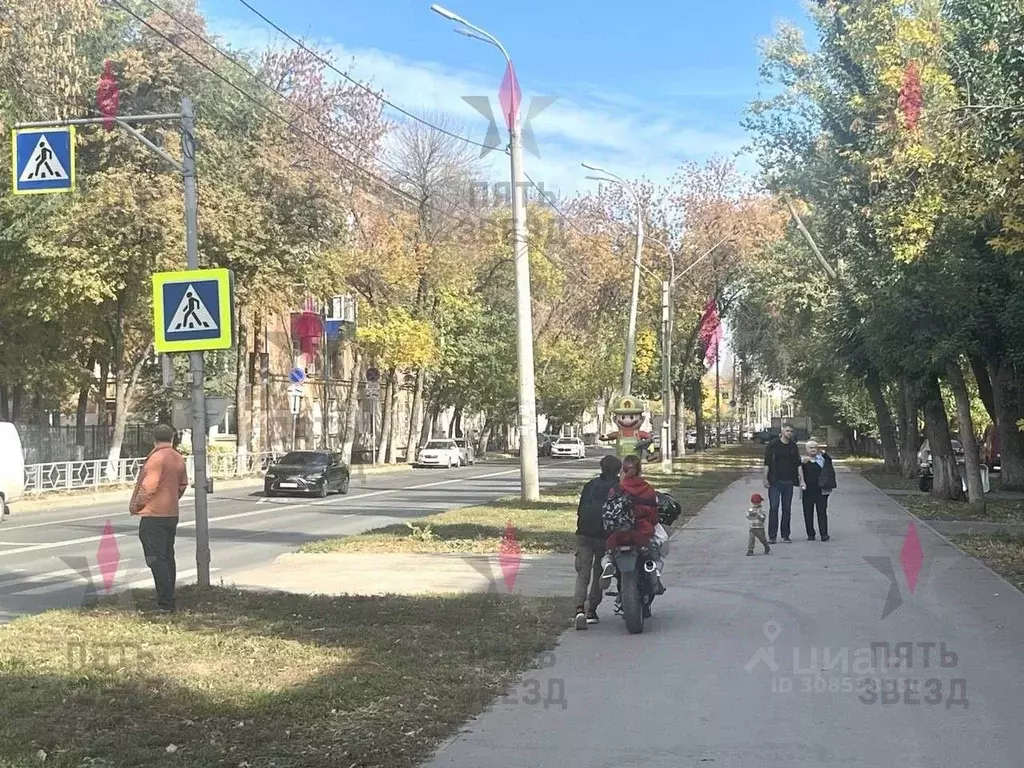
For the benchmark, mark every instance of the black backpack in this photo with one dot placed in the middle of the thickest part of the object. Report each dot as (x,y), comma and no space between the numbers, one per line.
(617,514)
(669,509)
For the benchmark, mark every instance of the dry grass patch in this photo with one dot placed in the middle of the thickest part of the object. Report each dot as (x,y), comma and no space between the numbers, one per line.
(247,679)
(927,507)
(1002,552)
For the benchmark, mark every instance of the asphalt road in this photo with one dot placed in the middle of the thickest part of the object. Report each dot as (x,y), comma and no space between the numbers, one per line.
(50,559)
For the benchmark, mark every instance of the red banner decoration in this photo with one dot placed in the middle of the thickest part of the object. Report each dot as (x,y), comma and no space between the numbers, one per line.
(911,97)
(710,333)
(308,329)
(108,95)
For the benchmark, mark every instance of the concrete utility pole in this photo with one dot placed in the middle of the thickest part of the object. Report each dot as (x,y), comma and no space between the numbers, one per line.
(187,169)
(528,464)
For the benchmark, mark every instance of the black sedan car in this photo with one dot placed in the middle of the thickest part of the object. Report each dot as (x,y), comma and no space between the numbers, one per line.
(307,472)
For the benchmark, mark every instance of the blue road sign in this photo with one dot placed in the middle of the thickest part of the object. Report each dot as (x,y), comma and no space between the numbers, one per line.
(192,310)
(297,376)
(43,160)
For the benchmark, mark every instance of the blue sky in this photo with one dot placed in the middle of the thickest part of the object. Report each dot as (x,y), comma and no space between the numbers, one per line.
(637,91)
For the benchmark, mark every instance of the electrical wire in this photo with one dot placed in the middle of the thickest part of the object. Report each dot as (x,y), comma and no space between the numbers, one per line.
(356,83)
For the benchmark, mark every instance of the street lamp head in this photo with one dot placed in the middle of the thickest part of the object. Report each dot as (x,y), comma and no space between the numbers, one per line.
(442,11)
(590,167)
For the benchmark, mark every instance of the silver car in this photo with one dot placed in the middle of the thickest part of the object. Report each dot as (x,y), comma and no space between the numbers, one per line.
(466,451)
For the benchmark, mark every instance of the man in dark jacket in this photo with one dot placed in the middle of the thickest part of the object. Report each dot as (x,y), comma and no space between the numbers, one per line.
(820,479)
(782,471)
(590,538)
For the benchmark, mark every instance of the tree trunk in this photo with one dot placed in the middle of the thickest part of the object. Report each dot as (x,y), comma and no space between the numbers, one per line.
(428,424)
(17,403)
(1007,408)
(385,422)
(394,432)
(946,476)
(101,394)
(985,391)
(456,427)
(256,433)
(416,418)
(351,411)
(972,457)
(5,403)
(80,413)
(698,414)
(679,429)
(912,433)
(890,451)
(243,395)
(485,437)
(126,383)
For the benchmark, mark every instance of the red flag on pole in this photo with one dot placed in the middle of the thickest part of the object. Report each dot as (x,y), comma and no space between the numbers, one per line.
(108,95)
(710,331)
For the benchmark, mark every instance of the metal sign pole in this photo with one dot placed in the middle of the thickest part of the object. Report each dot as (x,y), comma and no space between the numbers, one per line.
(187,169)
(188,172)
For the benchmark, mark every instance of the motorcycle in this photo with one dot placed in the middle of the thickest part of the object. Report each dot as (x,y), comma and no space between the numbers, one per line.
(638,585)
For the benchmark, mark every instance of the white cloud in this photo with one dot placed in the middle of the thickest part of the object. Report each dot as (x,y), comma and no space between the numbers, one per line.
(629,136)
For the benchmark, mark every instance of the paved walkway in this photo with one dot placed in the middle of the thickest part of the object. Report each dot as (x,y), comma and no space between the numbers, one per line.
(697,688)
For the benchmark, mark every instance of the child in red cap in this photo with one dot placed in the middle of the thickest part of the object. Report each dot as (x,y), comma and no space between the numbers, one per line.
(755,516)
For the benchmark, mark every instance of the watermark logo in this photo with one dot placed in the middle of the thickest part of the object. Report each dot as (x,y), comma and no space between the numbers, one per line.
(108,564)
(509,99)
(509,561)
(866,671)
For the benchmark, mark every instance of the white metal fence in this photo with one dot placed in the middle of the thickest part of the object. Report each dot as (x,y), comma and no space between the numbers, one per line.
(92,475)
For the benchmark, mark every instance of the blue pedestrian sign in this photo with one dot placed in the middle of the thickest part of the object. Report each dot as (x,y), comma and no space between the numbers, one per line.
(43,160)
(193,310)
(297,376)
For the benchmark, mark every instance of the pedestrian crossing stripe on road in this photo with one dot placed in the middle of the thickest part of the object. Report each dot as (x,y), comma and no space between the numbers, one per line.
(26,584)
(191,314)
(43,164)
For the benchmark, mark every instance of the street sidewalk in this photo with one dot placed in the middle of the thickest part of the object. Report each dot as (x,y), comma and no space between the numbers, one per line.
(761,661)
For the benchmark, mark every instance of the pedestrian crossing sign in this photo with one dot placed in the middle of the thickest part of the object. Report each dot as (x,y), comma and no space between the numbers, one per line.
(43,160)
(193,310)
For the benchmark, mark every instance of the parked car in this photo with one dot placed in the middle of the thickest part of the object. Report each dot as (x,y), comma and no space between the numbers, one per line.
(307,472)
(442,452)
(571,447)
(12,468)
(924,462)
(990,453)
(466,451)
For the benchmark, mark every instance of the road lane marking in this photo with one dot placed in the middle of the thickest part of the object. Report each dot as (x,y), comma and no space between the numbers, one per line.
(262,511)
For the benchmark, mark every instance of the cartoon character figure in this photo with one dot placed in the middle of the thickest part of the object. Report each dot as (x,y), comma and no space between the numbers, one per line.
(628,415)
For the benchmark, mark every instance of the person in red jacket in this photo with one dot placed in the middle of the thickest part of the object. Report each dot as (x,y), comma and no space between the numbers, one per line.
(645,515)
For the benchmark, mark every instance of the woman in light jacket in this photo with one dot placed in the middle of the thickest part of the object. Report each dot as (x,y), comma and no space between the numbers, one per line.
(820,481)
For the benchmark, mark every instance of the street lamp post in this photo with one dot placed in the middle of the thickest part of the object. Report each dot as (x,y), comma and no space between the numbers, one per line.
(528,469)
(627,371)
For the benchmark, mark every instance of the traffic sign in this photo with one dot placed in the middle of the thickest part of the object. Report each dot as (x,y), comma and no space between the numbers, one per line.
(373,390)
(297,376)
(43,160)
(193,310)
(372,375)
(295,398)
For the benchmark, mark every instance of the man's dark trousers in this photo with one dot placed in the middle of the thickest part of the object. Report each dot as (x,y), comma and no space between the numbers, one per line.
(779,491)
(157,537)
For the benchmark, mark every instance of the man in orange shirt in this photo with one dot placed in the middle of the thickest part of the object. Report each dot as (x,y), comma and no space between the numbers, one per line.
(162,482)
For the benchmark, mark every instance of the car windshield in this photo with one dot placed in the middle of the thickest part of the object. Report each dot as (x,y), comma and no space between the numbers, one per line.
(567,440)
(304,459)
(438,445)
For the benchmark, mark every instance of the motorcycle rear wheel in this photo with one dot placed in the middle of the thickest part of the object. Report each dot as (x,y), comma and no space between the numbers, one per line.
(631,607)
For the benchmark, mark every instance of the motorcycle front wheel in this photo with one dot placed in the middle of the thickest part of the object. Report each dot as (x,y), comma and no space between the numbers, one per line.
(631,606)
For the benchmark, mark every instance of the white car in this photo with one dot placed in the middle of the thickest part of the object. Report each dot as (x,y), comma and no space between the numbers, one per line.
(571,447)
(440,453)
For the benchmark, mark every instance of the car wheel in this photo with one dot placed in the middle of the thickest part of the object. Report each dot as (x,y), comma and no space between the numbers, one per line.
(343,488)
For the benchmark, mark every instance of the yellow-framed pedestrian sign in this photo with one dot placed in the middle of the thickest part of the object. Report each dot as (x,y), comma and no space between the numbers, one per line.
(43,160)
(193,310)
